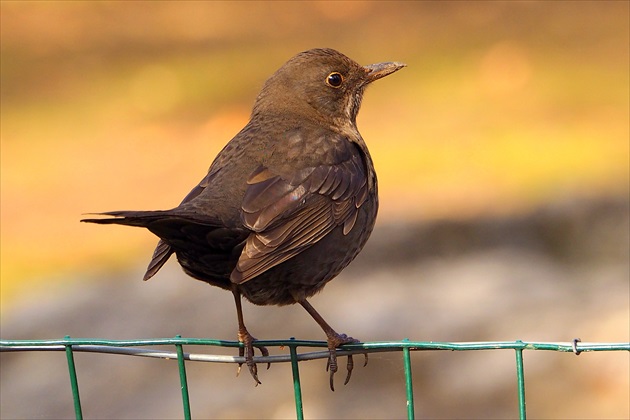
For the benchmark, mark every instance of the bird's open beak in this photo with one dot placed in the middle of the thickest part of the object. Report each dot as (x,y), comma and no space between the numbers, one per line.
(379,70)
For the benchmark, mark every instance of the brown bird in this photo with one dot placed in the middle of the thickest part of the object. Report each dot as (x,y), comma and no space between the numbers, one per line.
(288,203)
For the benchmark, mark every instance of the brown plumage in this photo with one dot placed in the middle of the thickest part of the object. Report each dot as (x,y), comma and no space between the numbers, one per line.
(288,203)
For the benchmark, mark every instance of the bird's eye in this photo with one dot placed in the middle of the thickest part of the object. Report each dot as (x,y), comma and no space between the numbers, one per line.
(334,79)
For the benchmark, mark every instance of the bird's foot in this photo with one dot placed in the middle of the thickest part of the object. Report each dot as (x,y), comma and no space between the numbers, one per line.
(334,341)
(247,351)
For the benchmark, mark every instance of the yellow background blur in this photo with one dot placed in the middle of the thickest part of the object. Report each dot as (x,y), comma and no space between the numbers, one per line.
(123,105)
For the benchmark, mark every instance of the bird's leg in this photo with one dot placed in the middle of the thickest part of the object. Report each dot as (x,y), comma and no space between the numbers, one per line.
(247,339)
(334,341)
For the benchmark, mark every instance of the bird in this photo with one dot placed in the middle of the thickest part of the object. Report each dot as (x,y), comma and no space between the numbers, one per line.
(287,204)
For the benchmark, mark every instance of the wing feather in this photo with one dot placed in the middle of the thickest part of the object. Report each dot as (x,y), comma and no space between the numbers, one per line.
(288,214)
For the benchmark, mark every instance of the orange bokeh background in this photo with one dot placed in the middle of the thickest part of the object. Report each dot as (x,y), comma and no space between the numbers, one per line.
(109,105)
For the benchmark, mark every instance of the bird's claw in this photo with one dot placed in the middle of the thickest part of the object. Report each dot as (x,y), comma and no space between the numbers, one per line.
(247,351)
(334,341)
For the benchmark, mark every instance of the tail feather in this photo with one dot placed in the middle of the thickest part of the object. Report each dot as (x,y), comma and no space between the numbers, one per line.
(129,218)
(162,253)
(140,219)
(172,226)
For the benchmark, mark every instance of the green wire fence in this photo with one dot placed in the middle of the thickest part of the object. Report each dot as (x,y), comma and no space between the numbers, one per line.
(135,348)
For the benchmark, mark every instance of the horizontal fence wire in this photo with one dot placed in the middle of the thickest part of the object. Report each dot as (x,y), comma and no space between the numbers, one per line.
(135,348)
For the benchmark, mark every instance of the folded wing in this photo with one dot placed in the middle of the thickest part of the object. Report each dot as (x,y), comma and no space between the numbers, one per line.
(289,214)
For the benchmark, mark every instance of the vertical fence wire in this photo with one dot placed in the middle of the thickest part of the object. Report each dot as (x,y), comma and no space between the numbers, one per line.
(183,379)
(408,380)
(521,384)
(297,387)
(74,383)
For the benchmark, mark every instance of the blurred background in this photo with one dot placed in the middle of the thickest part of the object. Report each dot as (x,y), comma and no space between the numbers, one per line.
(503,159)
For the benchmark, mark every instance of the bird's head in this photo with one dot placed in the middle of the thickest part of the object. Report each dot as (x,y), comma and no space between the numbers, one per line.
(320,83)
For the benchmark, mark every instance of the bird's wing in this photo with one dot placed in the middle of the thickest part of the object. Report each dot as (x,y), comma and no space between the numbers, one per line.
(163,251)
(288,216)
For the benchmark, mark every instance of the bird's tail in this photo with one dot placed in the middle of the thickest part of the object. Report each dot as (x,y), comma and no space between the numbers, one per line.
(141,219)
(166,224)
(129,218)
